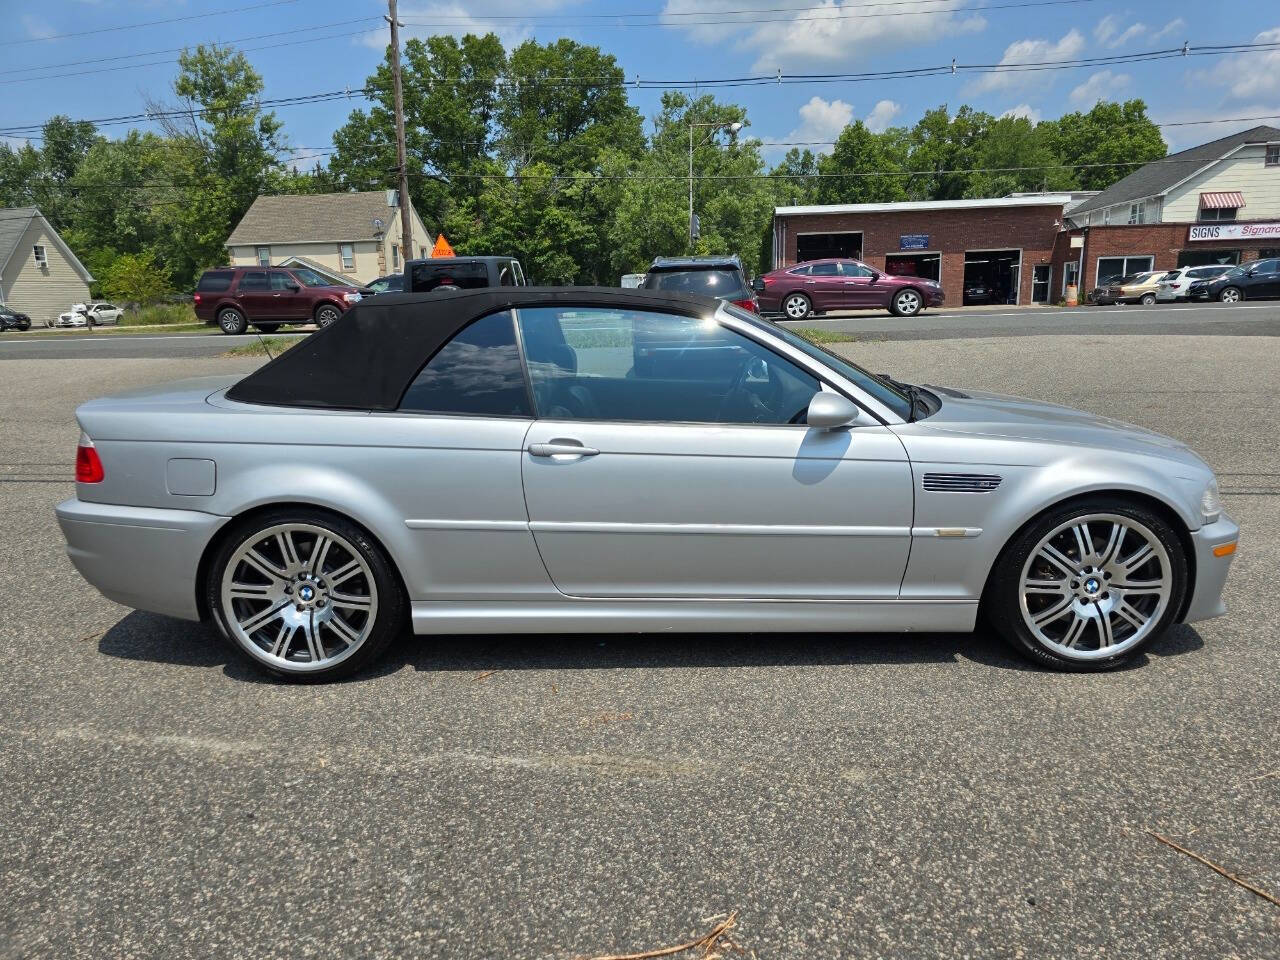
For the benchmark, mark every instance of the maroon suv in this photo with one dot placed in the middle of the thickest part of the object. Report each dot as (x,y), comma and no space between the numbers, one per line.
(267,297)
(818,286)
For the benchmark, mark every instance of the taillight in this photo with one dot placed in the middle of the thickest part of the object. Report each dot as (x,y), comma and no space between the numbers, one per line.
(195,298)
(747,304)
(88,464)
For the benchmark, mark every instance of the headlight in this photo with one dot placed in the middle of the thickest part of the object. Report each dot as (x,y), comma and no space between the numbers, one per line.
(351,297)
(1210,503)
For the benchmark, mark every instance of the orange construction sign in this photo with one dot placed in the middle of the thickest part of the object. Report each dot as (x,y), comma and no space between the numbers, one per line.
(442,248)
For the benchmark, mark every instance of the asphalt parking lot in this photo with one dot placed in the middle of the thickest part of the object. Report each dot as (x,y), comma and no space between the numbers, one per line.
(851,796)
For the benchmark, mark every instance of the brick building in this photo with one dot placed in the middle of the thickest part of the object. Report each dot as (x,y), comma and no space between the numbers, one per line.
(1005,246)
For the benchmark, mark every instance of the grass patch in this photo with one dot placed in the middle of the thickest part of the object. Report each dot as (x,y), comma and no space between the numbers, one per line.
(814,335)
(255,348)
(159,314)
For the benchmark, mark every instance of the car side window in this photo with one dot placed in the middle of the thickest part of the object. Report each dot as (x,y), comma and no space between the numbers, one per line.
(638,365)
(282,281)
(851,269)
(825,270)
(477,373)
(801,271)
(256,280)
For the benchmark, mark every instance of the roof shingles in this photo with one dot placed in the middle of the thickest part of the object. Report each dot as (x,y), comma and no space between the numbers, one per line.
(313,218)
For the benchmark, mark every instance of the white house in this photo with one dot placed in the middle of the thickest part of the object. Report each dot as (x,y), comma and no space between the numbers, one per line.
(39,275)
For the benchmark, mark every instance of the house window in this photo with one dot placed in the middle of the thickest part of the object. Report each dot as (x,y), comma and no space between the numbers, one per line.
(1106,217)
(348,253)
(395,256)
(264,256)
(1273,154)
(1138,212)
(42,258)
(1221,213)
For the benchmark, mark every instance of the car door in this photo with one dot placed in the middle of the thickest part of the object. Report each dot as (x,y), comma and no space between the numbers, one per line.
(1265,281)
(665,463)
(288,299)
(860,285)
(254,295)
(825,286)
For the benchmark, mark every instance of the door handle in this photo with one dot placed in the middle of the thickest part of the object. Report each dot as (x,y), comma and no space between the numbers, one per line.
(561,448)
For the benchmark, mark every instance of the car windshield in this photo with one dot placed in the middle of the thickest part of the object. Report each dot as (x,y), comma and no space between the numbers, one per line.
(726,283)
(310,278)
(889,395)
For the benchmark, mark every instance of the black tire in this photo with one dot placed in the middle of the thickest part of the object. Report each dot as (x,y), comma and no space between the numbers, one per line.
(798,300)
(327,314)
(268,327)
(1002,600)
(388,622)
(232,321)
(900,305)
(1148,299)
(1230,295)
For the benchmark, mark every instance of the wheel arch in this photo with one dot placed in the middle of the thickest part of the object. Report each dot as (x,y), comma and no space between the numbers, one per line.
(327,302)
(240,520)
(1140,498)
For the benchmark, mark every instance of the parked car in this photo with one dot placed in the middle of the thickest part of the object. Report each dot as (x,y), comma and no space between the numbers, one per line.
(1177,284)
(819,286)
(631,280)
(105,314)
(1259,280)
(721,277)
(391,283)
(1135,288)
(77,316)
(1098,295)
(976,293)
(528,462)
(462,273)
(268,297)
(13,320)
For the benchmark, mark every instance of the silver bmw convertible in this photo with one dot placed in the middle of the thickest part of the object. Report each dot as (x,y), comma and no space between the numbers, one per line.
(579,460)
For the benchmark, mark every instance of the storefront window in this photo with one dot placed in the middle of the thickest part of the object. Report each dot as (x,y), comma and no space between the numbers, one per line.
(1113,268)
(1207,258)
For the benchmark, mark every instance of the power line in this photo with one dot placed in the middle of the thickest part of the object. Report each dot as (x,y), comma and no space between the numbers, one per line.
(150,23)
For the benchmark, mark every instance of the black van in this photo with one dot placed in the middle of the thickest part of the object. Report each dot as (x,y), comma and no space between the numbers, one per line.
(462,273)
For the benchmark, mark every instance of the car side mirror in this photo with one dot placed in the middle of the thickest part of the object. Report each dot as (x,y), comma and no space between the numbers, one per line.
(875,275)
(757,284)
(829,411)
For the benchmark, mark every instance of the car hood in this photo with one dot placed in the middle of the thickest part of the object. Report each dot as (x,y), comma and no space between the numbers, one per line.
(1015,418)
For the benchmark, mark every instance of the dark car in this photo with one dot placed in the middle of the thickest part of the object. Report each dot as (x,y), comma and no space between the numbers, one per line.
(12,320)
(721,277)
(1251,281)
(462,273)
(976,293)
(819,286)
(268,297)
(1198,288)
(391,283)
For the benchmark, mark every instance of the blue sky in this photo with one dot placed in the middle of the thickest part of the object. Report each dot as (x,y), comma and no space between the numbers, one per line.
(93,75)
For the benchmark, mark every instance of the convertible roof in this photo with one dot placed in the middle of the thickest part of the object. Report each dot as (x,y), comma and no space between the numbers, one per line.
(366,360)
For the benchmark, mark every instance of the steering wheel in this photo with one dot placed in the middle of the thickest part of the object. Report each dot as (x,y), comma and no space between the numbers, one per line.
(738,389)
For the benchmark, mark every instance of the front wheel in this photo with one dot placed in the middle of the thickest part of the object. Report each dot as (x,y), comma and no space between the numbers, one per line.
(907,303)
(326,314)
(1087,586)
(796,306)
(232,321)
(306,595)
(1230,295)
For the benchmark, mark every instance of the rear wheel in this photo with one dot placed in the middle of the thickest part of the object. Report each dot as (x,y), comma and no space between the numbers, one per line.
(326,314)
(306,595)
(232,321)
(1088,585)
(1148,299)
(1231,295)
(796,306)
(907,303)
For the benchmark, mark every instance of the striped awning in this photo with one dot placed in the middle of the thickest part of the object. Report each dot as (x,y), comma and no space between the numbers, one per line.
(1226,200)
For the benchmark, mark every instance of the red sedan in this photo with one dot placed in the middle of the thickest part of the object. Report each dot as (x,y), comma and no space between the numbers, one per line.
(819,286)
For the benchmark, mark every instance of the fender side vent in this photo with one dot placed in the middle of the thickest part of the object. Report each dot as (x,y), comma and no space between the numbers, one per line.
(961,482)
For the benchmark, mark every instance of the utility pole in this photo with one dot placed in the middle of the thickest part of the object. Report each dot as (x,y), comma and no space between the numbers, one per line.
(402,166)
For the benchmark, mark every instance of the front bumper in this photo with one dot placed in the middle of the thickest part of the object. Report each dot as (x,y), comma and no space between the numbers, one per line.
(1211,571)
(140,557)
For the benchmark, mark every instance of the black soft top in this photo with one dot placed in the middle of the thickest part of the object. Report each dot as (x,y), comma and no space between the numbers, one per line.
(367,359)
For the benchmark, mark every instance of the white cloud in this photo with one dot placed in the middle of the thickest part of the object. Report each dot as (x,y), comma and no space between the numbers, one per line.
(1029,51)
(1108,32)
(1249,75)
(1103,85)
(882,115)
(1170,28)
(820,123)
(37,29)
(424,18)
(1024,110)
(832,31)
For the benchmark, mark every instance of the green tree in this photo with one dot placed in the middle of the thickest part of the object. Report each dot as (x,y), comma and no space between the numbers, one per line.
(135,278)
(864,167)
(1118,137)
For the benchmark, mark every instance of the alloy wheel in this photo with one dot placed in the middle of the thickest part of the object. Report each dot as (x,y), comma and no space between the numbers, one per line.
(298,597)
(326,316)
(1095,587)
(908,302)
(796,307)
(1230,295)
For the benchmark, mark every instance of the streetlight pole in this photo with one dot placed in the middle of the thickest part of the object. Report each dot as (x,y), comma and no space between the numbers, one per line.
(733,127)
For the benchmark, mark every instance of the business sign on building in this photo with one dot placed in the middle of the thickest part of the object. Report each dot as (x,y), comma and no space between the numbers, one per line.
(913,241)
(1235,231)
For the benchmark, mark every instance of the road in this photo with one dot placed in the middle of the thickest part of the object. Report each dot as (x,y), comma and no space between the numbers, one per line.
(1247,319)
(553,797)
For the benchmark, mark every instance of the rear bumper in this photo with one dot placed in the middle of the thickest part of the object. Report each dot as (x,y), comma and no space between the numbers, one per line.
(1211,571)
(140,557)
